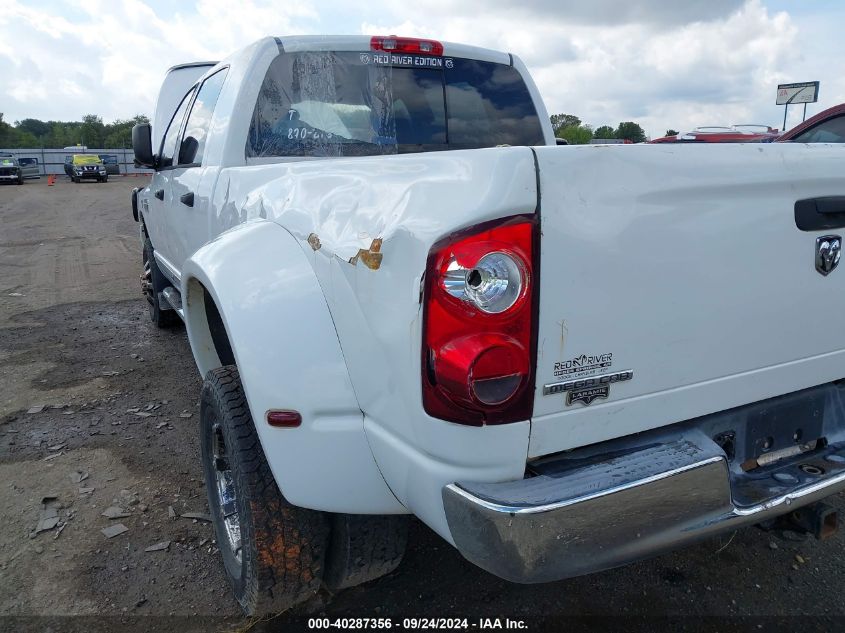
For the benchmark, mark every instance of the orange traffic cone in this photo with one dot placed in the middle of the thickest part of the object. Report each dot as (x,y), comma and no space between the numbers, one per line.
(51,179)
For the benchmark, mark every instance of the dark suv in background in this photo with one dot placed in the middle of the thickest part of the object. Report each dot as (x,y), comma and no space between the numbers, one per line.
(10,170)
(30,167)
(111,163)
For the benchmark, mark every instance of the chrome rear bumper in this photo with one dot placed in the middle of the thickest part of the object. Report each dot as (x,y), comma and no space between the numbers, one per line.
(600,513)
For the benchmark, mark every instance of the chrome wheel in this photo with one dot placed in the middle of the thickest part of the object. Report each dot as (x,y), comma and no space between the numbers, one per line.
(147,279)
(227,498)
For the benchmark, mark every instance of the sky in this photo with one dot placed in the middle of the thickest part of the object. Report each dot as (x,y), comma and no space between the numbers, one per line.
(662,63)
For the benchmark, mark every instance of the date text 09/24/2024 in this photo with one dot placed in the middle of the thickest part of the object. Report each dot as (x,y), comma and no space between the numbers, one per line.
(409,624)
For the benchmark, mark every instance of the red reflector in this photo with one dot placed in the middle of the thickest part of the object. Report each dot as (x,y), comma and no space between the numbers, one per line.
(393,44)
(285,419)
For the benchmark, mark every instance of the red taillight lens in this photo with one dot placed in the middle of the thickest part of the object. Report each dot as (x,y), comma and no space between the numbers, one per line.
(393,44)
(479,324)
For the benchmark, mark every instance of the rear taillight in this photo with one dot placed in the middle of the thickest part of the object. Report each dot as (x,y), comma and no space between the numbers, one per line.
(479,324)
(393,44)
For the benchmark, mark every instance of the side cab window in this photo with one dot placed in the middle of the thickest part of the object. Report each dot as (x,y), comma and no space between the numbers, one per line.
(829,131)
(199,121)
(168,144)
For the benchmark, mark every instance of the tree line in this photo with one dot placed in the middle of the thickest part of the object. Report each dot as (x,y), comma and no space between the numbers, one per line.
(90,131)
(576,132)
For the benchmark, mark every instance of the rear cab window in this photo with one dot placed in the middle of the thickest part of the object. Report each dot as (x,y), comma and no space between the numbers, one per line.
(168,142)
(322,104)
(199,120)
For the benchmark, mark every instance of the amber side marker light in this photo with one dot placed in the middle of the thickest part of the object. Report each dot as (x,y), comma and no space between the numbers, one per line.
(284,418)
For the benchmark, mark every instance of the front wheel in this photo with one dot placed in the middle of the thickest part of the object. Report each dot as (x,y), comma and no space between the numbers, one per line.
(273,552)
(153,282)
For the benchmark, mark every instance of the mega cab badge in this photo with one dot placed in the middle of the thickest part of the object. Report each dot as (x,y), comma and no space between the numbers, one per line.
(586,390)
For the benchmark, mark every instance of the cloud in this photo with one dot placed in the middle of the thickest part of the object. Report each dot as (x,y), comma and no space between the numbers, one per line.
(109,58)
(593,12)
(663,64)
(720,70)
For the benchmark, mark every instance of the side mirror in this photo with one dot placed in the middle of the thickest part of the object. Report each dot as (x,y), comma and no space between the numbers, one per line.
(142,143)
(188,150)
(561,141)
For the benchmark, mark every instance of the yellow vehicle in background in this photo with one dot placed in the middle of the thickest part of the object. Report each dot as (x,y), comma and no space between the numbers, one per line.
(85,166)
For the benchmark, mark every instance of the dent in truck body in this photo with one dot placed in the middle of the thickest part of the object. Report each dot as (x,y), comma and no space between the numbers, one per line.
(406,201)
(286,351)
(396,207)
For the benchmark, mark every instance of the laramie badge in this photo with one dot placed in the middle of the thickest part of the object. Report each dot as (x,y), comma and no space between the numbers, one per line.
(586,396)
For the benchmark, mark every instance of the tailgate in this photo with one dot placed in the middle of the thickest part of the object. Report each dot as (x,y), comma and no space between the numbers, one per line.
(679,275)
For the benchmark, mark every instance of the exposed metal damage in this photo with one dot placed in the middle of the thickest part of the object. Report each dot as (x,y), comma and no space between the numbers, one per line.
(314,241)
(370,258)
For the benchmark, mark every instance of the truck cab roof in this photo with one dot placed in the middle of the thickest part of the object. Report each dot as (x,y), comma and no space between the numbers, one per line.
(177,81)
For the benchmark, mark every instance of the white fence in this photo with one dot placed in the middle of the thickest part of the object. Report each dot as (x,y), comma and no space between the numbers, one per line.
(52,161)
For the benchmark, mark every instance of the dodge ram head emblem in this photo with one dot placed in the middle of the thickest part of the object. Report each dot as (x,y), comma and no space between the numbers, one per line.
(828,252)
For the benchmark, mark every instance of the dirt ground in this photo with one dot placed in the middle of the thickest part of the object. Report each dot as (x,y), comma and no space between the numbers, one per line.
(98,410)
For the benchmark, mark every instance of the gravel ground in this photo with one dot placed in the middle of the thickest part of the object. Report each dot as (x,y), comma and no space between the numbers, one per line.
(98,409)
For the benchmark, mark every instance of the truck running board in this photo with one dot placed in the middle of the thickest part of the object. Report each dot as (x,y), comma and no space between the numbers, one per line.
(172,298)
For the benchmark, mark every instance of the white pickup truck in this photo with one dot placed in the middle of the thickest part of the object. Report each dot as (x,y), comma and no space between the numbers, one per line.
(561,359)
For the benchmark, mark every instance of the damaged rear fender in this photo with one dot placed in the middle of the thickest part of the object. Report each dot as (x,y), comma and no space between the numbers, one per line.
(275,320)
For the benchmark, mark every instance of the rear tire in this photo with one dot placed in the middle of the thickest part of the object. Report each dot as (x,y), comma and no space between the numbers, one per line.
(363,548)
(153,282)
(273,552)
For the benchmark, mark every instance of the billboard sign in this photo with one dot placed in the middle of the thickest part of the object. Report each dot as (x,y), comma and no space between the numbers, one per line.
(806,92)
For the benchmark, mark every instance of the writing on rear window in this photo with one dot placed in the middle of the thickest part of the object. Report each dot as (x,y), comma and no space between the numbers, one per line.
(418,61)
(325,104)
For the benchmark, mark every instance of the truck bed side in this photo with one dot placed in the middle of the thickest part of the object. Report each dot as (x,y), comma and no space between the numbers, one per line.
(684,266)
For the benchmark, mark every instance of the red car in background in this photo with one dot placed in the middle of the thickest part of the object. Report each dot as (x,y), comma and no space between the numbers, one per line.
(828,126)
(715,134)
